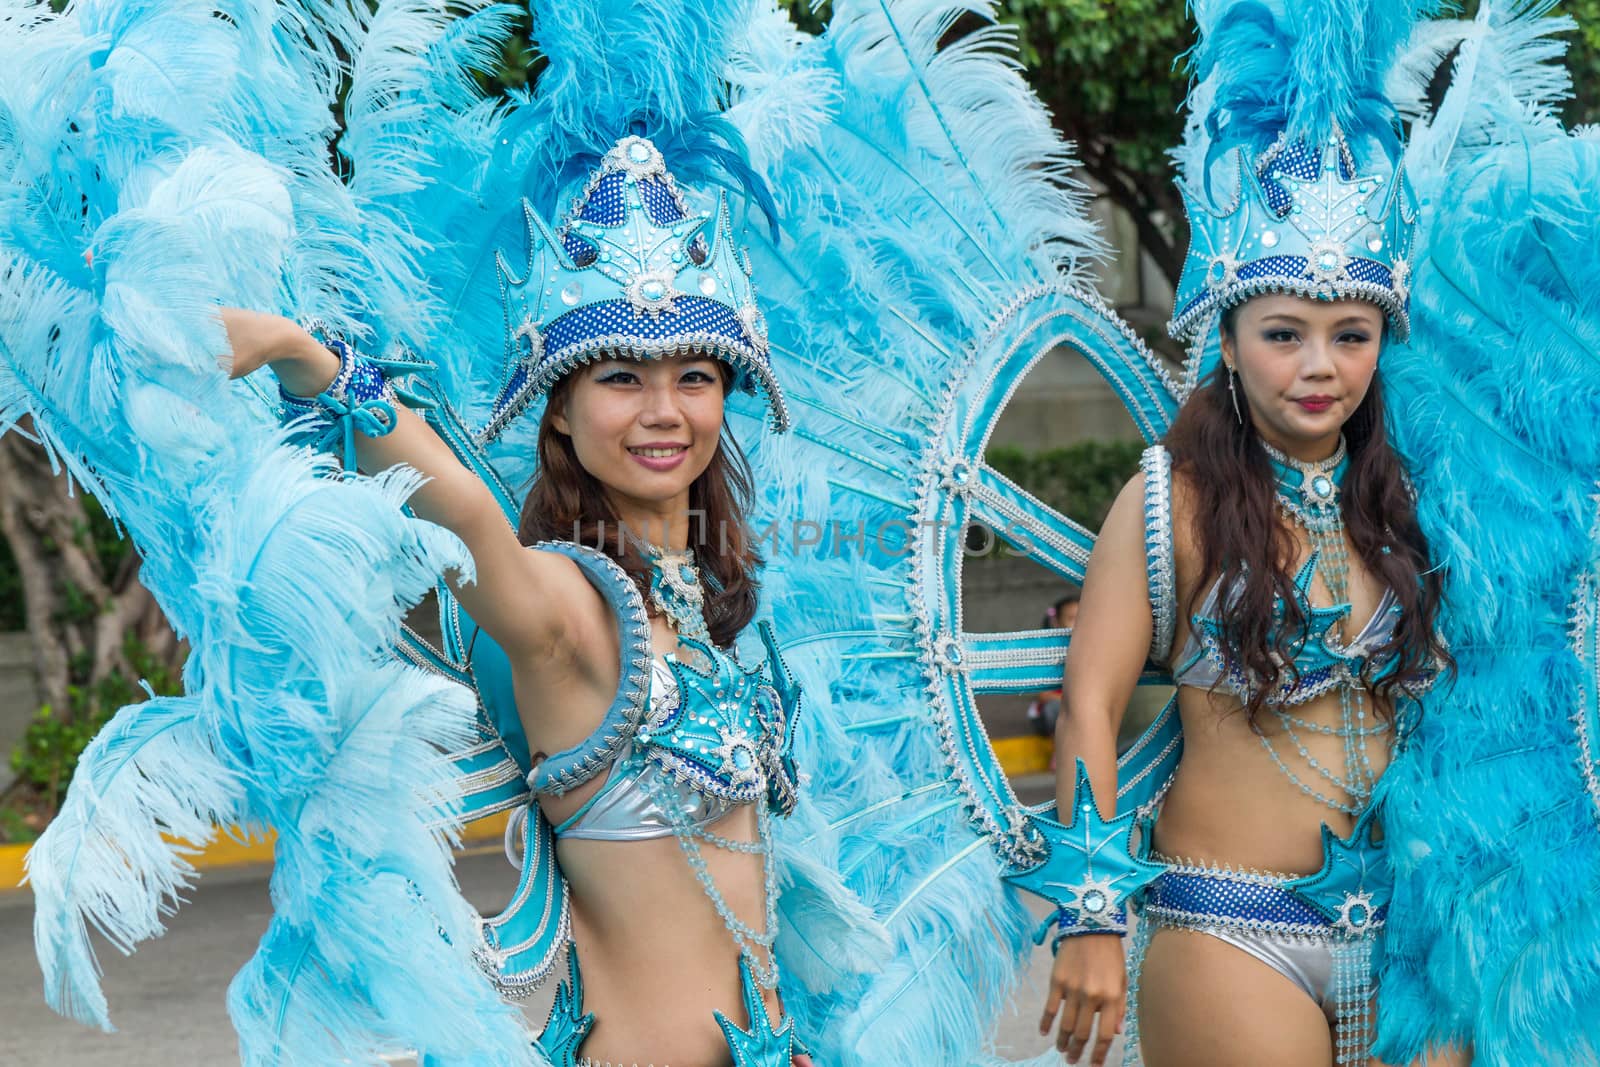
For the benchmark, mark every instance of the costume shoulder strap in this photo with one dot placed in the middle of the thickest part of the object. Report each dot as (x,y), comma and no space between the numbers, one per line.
(570,769)
(1156,463)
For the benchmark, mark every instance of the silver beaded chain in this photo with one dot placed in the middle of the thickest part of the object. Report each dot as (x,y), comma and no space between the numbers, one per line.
(755,946)
(676,592)
(1317,512)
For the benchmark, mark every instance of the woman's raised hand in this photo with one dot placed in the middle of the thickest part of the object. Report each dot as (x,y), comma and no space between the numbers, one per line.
(256,338)
(1089,979)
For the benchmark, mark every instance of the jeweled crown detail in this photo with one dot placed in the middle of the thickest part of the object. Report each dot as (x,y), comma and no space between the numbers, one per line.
(631,272)
(1306,220)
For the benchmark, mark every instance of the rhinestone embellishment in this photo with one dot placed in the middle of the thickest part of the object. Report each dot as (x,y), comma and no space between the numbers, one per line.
(654,293)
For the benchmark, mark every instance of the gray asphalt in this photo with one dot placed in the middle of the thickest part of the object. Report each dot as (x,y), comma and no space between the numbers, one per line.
(168,1000)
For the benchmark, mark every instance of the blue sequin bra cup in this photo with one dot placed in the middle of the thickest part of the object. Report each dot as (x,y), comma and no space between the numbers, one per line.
(640,799)
(1321,662)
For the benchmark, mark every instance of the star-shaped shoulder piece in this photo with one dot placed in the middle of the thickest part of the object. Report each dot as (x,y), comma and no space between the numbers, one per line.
(1353,888)
(1089,869)
(761,1045)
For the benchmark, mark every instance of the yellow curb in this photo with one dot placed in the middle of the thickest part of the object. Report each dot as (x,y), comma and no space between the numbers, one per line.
(1023,755)
(225,851)
(1017,755)
(11,866)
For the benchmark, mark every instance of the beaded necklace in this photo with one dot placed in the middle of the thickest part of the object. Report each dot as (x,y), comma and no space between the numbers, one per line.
(1308,496)
(676,592)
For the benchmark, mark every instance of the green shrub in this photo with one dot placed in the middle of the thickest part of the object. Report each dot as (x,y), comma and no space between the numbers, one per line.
(46,757)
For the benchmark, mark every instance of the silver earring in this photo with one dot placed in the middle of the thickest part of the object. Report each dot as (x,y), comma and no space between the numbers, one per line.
(1233,394)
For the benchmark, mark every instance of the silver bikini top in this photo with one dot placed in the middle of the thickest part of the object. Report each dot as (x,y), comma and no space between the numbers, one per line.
(1322,663)
(1321,660)
(629,806)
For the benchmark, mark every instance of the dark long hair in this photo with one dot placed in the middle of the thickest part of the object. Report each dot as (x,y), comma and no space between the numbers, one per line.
(567,503)
(1244,540)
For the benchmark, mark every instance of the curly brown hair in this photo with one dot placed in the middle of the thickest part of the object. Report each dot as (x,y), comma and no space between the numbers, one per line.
(567,503)
(1245,542)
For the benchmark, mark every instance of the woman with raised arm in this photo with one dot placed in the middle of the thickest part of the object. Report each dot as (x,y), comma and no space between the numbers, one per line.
(1269,558)
(655,758)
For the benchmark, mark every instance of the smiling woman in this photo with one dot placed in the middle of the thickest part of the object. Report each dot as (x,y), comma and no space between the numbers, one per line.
(600,636)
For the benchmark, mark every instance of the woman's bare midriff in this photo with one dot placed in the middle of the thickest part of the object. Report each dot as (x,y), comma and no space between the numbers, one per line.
(656,959)
(1231,806)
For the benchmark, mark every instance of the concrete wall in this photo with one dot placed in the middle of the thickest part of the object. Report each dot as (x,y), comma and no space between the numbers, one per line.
(1064,400)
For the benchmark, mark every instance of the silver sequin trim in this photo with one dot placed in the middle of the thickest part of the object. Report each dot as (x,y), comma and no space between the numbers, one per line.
(1157,466)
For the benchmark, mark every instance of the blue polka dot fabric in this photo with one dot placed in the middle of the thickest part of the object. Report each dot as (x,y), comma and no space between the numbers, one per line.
(1302,163)
(614,319)
(1367,270)
(1274,267)
(659,203)
(605,205)
(582,251)
(1180,895)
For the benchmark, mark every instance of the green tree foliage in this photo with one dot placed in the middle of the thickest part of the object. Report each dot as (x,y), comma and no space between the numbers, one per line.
(47,755)
(93,628)
(1111,73)
(1584,59)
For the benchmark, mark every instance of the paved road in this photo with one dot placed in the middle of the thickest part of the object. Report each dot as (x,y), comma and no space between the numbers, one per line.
(168,1002)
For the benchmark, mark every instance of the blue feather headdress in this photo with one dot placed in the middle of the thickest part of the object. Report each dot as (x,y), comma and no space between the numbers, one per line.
(1291,170)
(632,273)
(602,251)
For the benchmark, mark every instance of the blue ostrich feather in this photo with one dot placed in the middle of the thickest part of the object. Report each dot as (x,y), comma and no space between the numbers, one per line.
(1490,815)
(164,161)
(929,212)
(1300,68)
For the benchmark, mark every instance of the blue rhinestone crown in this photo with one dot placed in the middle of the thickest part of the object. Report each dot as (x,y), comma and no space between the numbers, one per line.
(631,273)
(1305,220)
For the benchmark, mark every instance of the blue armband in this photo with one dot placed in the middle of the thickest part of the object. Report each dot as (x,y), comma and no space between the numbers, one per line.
(1087,870)
(1066,924)
(360,397)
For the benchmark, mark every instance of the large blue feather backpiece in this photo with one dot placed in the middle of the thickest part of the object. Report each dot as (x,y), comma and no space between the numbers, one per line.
(161,160)
(934,250)
(1494,813)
